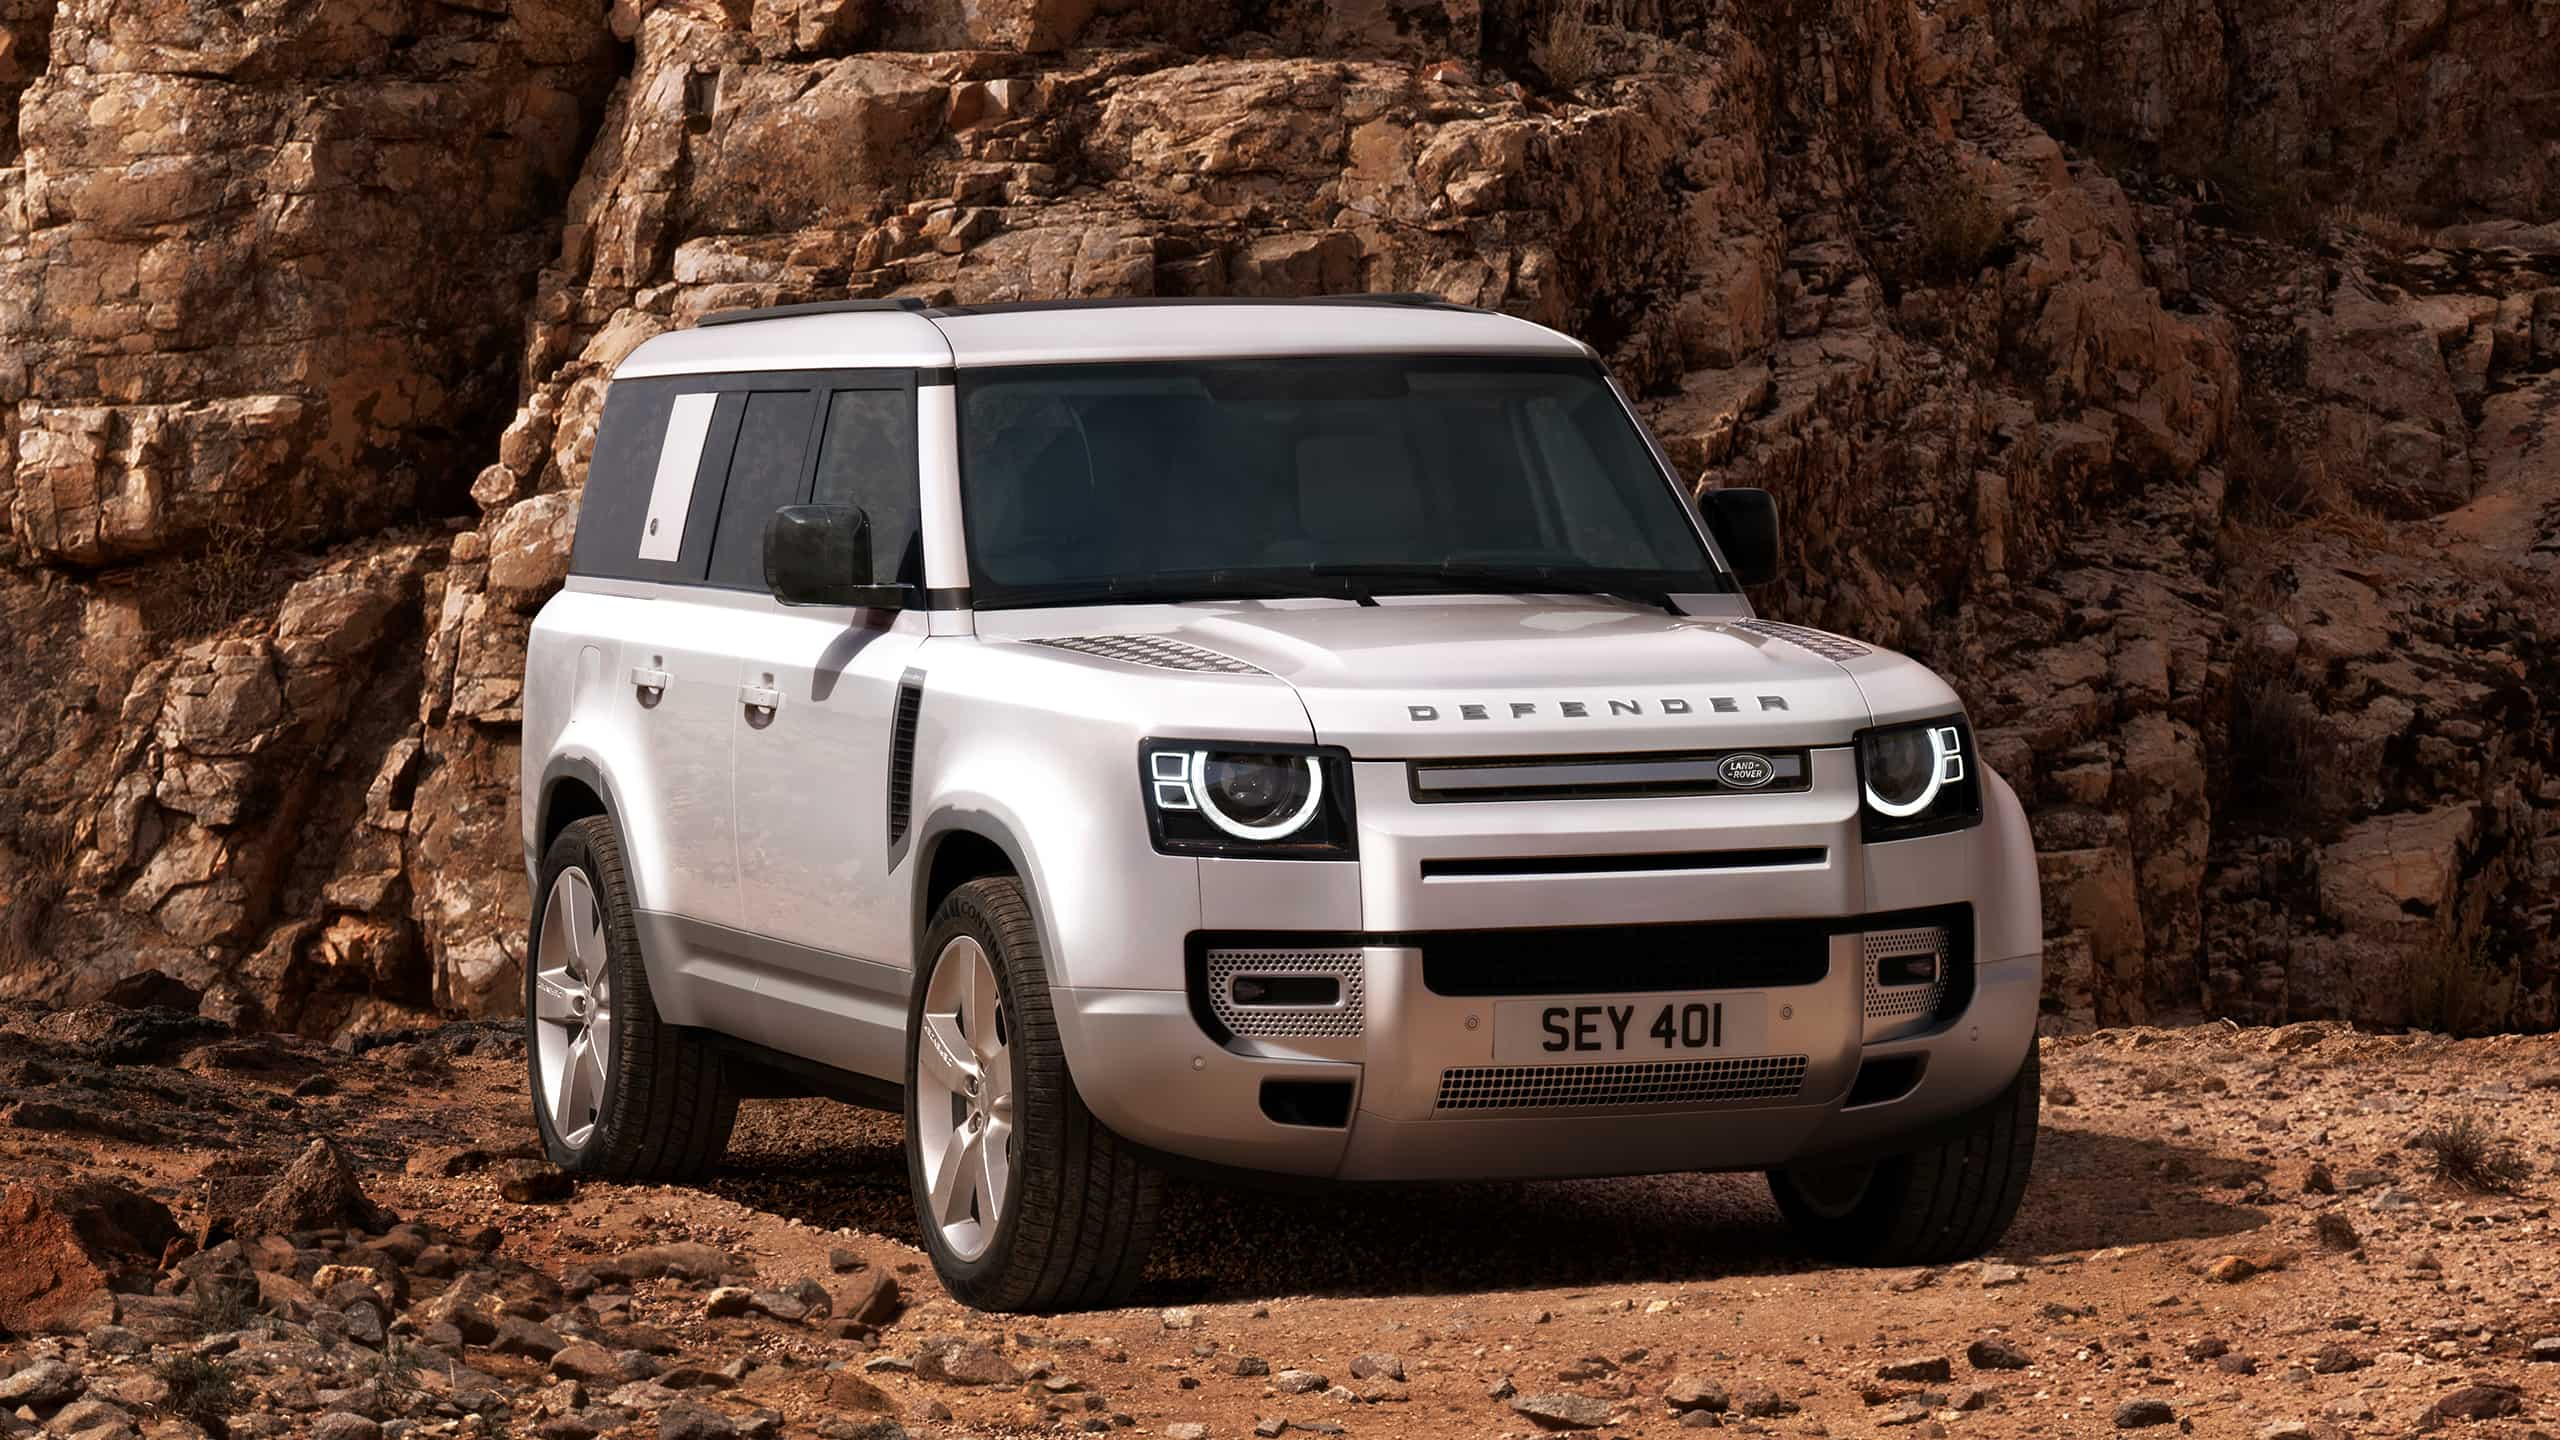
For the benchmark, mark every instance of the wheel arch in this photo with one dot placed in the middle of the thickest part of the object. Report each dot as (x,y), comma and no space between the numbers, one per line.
(956,845)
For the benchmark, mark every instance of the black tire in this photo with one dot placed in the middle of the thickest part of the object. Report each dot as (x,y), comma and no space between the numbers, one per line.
(1947,1201)
(669,1102)
(1074,1232)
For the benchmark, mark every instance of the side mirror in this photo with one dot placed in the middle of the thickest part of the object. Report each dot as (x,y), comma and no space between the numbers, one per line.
(821,555)
(1745,524)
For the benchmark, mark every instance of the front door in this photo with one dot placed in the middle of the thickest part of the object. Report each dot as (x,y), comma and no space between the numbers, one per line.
(813,760)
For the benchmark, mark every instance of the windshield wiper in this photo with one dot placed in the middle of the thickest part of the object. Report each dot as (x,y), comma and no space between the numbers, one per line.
(1512,579)
(1170,590)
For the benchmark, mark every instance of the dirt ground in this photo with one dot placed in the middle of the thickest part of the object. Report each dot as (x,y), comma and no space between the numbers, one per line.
(2240,1225)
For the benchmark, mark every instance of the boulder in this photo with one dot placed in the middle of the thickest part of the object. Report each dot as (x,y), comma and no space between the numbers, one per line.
(319,1191)
(63,1245)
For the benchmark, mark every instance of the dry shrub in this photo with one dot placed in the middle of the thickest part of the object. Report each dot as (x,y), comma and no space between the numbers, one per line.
(2276,742)
(1954,229)
(2455,988)
(219,1305)
(226,578)
(2469,1154)
(2266,193)
(1570,50)
(201,1392)
(2274,489)
(33,882)
(2388,233)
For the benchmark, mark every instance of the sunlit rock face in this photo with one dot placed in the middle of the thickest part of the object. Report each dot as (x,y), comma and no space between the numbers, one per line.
(2227,504)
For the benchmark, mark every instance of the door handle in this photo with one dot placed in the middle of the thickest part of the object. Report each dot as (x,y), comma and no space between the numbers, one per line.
(652,684)
(761,701)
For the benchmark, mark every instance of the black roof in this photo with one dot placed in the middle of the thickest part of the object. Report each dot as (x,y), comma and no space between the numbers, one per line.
(914,306)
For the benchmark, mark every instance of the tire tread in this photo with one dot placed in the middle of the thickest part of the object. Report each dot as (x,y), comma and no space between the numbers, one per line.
(672,1102)
(1084,1209)
(1943,1202)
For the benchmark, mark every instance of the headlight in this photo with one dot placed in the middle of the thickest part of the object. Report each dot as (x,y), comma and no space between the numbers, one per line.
(1273,802)
(1918,779)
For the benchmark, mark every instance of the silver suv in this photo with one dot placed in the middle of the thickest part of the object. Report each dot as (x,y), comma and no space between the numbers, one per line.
(1316,738)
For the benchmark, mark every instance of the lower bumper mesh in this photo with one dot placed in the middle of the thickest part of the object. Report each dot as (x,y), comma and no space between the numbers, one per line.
(1660,1082)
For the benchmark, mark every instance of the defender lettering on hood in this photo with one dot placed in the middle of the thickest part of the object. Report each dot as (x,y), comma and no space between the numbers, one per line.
(1582,709)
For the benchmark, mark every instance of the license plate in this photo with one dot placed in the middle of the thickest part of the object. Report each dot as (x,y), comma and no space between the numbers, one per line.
(1627,1027)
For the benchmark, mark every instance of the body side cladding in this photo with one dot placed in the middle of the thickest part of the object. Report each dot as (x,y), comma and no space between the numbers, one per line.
(566,768)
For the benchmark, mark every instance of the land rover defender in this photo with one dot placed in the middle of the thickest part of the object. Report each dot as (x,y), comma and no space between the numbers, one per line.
(1314,738)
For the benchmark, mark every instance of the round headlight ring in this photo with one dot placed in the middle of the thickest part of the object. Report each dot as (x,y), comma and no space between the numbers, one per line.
(1280,829)
(1946,762)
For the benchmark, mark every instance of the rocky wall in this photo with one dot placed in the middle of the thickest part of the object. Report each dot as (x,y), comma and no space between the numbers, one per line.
(2239,545)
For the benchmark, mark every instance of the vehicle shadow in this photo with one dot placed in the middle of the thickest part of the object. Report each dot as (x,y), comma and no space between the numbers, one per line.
(2091,1190)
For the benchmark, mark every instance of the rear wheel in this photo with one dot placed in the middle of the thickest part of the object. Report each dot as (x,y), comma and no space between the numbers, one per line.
(617,1092)
(1026,1201)
(1943,1202)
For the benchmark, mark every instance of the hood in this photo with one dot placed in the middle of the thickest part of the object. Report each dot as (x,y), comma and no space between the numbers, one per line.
(1535,676)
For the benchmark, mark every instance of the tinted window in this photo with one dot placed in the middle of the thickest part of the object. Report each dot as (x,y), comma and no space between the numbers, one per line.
(868,459)
(1419,474)
(631,450)
(764,476)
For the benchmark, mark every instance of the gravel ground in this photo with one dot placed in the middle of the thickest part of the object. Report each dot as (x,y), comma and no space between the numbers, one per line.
(2230,1232)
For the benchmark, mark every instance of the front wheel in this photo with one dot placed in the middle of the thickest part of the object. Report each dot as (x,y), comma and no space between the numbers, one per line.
(1943,1202)
(1026,1201)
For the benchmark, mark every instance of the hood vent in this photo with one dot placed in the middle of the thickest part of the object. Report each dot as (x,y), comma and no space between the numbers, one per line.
(1153,650)
(1820,642)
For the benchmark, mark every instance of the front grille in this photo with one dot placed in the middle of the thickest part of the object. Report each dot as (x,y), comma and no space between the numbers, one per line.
(1657,1082)
(1153,650)
(1610,777)
(1347,968)
(1626,959)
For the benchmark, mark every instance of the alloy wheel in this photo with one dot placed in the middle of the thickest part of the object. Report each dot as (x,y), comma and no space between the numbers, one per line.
(964,1098)
(573,1008)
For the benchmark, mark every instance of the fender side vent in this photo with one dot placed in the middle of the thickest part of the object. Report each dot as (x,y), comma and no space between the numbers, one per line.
(902,753)
(1820,642)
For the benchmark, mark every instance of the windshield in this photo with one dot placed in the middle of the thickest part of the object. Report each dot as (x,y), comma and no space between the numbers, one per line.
(1345,476)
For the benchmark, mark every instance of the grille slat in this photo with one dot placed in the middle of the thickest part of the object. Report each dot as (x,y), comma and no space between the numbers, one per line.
(1652,1082)
(1155,651)
(1347,968)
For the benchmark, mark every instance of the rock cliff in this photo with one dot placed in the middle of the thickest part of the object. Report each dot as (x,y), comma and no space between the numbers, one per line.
(2183,381)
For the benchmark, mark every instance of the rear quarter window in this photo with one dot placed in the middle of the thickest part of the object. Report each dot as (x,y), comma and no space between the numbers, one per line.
(766,439)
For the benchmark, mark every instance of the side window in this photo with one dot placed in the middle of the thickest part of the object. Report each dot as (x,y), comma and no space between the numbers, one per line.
(764,476)
(868,458)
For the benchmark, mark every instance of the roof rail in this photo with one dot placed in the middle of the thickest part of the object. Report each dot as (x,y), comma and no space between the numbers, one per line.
(910,304)
(1156,302)
(1393,297)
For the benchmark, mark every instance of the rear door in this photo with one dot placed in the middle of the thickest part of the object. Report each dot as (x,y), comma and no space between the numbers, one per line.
(647,545)
(818,853)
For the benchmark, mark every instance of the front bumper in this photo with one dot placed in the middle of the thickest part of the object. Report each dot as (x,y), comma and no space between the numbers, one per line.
(1148,1066)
